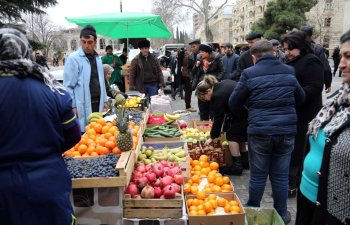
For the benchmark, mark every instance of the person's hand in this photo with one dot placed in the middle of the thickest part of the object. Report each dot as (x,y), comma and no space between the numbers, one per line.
(75,111)
(207,142)
(105,107)
(327,90)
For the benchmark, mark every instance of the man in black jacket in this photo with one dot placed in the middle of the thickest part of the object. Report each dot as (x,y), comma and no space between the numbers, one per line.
(246,59)
(320,53)
(230,60)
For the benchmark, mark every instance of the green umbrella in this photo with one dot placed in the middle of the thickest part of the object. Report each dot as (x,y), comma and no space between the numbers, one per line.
(125,25)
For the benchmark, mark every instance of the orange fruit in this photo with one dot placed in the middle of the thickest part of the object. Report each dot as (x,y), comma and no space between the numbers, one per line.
(221,201)
(187,188)
(216,188)
(208,207)
(219,181)
(214,166)
(212,196)
(200,207)
(195,202)
(203,158)
(200,195)
(226,180)
(105,129)
(193,207)
(227,208)
(193,213)
(201,212)
(195,162)
(226,188)
(213,203)
(189,202)
(205,171)
(116,151)
(90,150)
(196,179)
(94,154)
(97,127)
(235,209)
(194,190)
(102,122)
(233,203)
(211,178)
(110,144)
(82,149)
(190,181)
(197,168)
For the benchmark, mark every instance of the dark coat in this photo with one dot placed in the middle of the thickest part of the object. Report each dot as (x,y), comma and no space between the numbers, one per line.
(321,215)
(136,76)
(309,73)
(216,68)
(219,107)
(320,52)
(270,92)
(230,66)
(245,61)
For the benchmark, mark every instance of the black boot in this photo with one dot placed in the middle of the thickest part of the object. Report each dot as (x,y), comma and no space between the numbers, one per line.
(236,168)
(245,160)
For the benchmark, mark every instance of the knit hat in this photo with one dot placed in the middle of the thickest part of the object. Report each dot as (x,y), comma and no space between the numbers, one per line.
(144,44)
(88,30)
(274,42)
(228,45)
(307,29)
(205,48)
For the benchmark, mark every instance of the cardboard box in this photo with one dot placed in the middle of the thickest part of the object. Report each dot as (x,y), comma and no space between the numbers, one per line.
(224,219)
(125,166)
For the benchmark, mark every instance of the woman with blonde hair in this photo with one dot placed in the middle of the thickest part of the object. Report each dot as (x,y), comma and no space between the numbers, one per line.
(217,95)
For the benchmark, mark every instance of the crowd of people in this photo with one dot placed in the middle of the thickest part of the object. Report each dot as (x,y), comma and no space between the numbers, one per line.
(269,96)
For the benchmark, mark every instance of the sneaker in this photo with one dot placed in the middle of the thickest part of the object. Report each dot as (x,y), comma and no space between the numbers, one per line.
(191,109)
(288,218)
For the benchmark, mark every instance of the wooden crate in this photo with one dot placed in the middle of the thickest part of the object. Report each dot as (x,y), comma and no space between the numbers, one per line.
(125,166)
(213,156)
(198,124)
(153,208)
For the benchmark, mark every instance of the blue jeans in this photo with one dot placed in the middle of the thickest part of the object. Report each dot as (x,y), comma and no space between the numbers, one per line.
(270,156)
(150,89)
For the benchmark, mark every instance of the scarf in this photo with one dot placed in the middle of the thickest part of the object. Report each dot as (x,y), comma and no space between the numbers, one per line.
(333,114)
(15,59)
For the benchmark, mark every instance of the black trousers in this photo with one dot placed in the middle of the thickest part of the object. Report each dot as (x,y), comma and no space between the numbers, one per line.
(305,210)
(298,155)
(204,112)
(188,91)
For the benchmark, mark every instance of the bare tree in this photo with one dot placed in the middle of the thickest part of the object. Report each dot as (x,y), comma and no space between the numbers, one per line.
(205,9)
(169,12)
(41,29)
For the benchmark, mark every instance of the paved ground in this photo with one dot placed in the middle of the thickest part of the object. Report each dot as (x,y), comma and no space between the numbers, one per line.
(241,182)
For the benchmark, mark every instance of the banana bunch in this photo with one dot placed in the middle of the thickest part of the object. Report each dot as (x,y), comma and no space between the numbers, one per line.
(93,117)
(171,117)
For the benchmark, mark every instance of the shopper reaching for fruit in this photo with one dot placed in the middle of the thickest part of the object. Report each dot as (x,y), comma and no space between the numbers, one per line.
(38,126)
(217,94)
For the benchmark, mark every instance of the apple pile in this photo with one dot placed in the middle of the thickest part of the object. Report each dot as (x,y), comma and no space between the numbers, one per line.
(160,180)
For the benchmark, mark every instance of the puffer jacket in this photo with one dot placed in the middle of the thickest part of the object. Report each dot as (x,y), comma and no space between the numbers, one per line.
(270,91)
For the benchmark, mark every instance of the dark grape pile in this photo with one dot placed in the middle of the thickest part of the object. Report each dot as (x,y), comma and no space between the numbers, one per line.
(135,115)
(102,166)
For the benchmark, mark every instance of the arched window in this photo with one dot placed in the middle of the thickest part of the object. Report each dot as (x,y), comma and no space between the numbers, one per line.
(73,45)
(102,43)
(64,45)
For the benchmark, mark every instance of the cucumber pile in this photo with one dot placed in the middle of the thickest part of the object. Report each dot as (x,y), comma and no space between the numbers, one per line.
(164,130)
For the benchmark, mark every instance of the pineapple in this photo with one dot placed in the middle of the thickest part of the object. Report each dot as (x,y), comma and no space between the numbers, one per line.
(124,138)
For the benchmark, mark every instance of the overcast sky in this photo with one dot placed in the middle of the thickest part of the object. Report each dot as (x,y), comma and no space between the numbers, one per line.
(75,8)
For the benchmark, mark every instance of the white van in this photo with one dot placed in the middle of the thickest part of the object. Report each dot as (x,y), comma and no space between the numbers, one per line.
(170,47)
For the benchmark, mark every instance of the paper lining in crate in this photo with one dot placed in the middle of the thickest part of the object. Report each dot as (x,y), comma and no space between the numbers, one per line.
(125,167)
(185,165)
(95,206)
(219,214)
(153,208)
(215,152)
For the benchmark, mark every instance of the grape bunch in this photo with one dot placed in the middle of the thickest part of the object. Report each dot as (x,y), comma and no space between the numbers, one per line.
(135,115)
(103,166)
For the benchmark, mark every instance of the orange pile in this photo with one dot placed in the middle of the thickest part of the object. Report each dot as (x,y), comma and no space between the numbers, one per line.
(202,168)
(100,139)
(206,206)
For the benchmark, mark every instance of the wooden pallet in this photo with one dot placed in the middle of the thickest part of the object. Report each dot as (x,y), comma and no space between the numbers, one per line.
(152,208)
(125,166)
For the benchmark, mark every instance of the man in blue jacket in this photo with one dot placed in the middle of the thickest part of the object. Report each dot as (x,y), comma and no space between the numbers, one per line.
(270,91)
(84,79)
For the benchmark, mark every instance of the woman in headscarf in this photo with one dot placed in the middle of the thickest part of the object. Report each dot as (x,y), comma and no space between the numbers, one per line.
(324,196)
(38,125)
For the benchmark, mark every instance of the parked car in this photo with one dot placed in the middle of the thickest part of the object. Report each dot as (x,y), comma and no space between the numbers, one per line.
(57,72)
